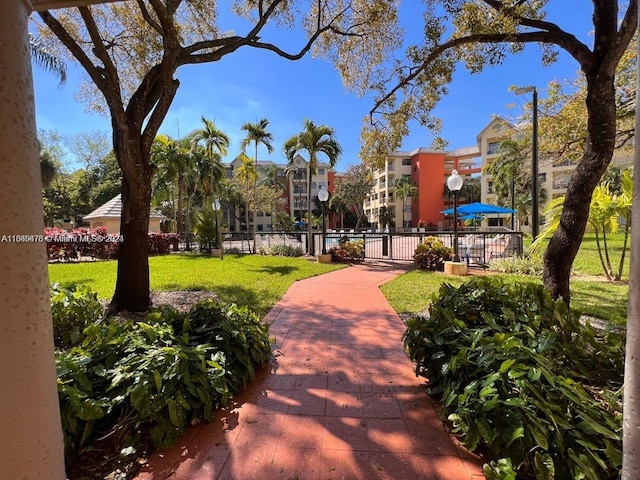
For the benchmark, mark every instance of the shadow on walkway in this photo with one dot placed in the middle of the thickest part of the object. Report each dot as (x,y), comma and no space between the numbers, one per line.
(339,399)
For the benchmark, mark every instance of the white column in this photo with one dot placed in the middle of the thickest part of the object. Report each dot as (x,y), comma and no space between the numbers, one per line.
(31,444)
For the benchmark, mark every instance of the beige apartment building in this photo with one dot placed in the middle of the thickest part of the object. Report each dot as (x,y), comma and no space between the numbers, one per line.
(553,175)
(294,185)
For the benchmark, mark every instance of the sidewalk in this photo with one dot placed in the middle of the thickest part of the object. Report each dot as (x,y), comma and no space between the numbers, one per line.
(339,400)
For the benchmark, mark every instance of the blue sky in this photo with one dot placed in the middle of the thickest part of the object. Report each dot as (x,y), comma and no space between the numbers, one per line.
(251,84)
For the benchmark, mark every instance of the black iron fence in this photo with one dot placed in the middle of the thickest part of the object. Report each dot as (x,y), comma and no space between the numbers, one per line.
(476,247)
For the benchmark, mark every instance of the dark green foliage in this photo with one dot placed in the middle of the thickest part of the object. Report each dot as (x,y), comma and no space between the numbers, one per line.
(132,386)
(232,330)
(206,229)
(72,310)
(431,254)
(348,250)
(518,374)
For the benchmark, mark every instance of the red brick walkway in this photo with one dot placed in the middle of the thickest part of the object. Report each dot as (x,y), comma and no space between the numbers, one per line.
(339,401)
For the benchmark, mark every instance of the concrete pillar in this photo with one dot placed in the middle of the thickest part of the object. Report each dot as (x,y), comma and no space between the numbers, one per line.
(31,443)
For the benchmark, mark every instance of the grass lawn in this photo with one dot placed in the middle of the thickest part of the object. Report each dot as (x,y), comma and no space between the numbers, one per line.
(413,292)
(256,281)
(592,295)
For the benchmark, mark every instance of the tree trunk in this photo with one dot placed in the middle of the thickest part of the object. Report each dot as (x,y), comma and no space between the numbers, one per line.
(601,129)
(132,284)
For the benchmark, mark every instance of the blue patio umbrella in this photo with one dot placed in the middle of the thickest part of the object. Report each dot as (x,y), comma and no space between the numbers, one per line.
(478,208)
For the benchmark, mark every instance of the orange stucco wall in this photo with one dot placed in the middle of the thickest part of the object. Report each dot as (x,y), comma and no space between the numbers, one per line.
(427,173)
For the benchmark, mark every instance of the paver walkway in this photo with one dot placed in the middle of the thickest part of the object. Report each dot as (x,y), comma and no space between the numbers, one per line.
(339,401)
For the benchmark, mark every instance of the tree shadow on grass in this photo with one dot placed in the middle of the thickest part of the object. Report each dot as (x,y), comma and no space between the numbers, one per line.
(281,269)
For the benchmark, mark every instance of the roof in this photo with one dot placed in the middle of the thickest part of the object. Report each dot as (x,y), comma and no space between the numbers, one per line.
(113,209)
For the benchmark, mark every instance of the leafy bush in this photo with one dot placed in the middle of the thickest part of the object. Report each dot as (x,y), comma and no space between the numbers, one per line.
(160,243)
(72,310)
(531,265)
(348,250)
(431,254)
(97,243)
(206,229)
(518,374)
(134,385)
(282,251)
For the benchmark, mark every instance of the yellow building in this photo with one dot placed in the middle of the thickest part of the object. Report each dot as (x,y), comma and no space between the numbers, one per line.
(108,215)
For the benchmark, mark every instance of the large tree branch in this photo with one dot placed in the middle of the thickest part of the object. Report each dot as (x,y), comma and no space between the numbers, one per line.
(165,98)
(557,37)
(621,41)
(147,17)
(97,74)
(99,48)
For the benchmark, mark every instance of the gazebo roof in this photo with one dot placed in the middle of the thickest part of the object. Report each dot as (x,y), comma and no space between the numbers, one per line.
(113,208)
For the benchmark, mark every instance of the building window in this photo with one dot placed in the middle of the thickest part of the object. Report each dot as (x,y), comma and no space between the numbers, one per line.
(390,166)
(321,171)
(542,177)
(492,148)
(260,227)
(313,185)
(490,188)
(406,162)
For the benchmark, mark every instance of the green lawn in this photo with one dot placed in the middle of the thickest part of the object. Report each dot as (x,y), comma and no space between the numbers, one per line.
(259,281)
(413,292)
(592,295)
(253,280)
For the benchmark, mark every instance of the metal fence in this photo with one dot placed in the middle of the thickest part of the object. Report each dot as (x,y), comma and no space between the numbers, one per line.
(476,247)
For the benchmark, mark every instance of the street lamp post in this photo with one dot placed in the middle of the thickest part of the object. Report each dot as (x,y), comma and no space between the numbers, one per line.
(534,160)
(454,183)
(216,208)
(323,196)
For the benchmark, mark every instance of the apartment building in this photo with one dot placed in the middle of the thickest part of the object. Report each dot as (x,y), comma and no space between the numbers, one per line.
(428,170)
(294,185)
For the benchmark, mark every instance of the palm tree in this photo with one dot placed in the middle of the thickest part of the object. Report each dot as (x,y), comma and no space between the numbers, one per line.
(216,144)
(48,168)
(405,189)
(246,174)
(171,158)
(256,134)
(314,139)
(45,59)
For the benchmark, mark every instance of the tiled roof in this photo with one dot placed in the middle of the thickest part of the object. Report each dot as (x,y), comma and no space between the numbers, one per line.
(113,208)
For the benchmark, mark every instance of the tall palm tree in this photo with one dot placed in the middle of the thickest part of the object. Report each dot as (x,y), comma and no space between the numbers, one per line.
(404,189)
(216,144)
(257,134)
(247,175)
(313,139)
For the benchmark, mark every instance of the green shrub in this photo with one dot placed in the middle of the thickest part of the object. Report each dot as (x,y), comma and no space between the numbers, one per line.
(72,311)
(282,251)
(347,250)
(518,373)
(205,226)
(132,386)
(431,254)
(531,265)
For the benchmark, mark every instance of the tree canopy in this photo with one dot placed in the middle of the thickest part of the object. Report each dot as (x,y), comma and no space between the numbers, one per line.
(130,52)
(481,33)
